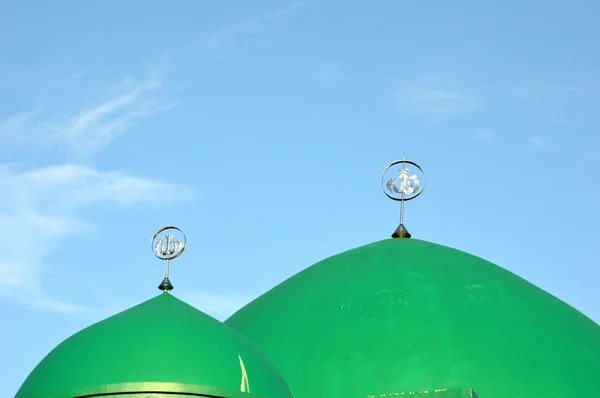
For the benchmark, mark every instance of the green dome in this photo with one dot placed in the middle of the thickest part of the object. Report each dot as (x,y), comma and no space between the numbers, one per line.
(404,315)
(161,345)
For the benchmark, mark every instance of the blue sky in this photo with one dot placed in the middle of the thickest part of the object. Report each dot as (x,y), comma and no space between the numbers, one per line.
(261,129)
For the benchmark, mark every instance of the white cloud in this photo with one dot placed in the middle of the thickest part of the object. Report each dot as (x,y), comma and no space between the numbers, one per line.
(250,27)
(92,129)
(219,306)
(83,132)
(70,186)
(41,207)
(30,235)
(434,102)
(225,38)
(40,212)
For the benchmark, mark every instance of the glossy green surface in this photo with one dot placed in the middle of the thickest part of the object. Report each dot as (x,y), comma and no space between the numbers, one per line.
(407,315)
(161,345)
(454,393)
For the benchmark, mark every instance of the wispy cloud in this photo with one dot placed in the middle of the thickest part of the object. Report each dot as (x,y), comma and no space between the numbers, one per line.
(42,210)
(71,186)
(33,235)
(251,27)
(434,102)
(45,206)
(224,39)
(83,132)
(92,129)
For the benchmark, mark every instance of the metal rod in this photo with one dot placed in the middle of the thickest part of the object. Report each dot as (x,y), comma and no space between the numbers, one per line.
(402,210)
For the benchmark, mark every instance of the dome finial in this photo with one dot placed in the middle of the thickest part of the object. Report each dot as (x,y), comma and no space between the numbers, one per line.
(402,188)
(169,249)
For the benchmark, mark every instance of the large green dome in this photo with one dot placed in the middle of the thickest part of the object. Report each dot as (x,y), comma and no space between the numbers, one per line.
(160,346)
(404,315)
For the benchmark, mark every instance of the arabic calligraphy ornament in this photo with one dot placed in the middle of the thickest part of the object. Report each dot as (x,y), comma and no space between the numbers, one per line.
(403,184)
(170,248)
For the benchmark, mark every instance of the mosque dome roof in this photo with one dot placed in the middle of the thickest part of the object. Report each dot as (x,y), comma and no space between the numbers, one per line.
(405,315)
(160,346)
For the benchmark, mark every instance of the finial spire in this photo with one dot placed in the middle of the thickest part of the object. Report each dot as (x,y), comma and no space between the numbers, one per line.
(166,250)
(402,188)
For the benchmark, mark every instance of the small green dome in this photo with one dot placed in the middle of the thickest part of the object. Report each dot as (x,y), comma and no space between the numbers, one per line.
(404,315)
(160,346)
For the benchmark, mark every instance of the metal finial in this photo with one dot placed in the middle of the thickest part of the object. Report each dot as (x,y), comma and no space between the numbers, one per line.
(402,187)
(166,250)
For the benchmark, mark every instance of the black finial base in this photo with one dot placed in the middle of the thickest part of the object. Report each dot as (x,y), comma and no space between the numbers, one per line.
(165,286)
(401,232)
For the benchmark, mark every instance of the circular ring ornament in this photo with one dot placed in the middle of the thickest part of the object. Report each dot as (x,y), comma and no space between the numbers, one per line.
(403,185)
(172,246)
